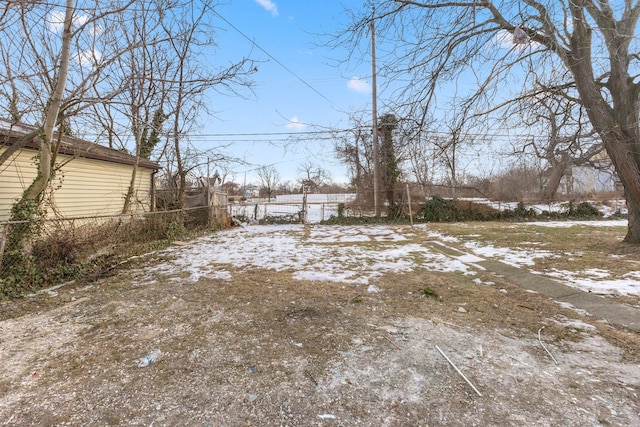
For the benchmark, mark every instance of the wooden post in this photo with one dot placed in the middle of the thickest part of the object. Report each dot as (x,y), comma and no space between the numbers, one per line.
(409,199)
(304,204)
(374,112)
(212,199)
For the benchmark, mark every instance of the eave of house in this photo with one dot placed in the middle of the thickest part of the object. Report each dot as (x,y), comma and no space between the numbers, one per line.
(71,146)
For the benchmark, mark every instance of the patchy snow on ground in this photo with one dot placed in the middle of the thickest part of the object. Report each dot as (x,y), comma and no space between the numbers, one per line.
(599,283)
(517,257)
(341,254)
(342,251)
(255,348)
(593,280)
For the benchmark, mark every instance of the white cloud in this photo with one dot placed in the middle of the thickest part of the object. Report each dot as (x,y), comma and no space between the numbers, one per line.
(358,85)
(296,124)
(269,6)
(88,58)
(55,20)
(504,39)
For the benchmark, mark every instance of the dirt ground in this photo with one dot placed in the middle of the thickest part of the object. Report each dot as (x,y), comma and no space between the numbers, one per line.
(264,349)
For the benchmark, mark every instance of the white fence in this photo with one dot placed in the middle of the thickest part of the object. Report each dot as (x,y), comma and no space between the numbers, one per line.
(290,208)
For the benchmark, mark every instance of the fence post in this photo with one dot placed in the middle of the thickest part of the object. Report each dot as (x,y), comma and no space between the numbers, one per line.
(3,241)
(212,200)
(409,199)
(304,204)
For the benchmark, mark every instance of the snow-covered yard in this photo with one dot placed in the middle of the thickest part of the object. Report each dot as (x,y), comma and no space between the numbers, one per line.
(328,253)
(298,325)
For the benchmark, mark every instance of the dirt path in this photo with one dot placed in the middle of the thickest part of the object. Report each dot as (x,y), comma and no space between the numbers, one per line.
(255,346)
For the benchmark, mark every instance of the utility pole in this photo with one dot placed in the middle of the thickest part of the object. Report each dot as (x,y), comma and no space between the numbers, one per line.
(374,108)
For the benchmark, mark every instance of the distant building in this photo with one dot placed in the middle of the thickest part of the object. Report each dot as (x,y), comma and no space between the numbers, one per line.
(251,192)
(588,180)
(598,176)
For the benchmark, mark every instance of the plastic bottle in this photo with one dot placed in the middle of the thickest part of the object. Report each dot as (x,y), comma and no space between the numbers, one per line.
(149,358)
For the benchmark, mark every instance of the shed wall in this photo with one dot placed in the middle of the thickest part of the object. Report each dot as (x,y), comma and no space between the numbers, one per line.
(83,187)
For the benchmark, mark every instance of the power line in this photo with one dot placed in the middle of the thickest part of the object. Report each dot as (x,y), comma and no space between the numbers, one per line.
(329,133)
(275,59)
(324,134)
(320,132)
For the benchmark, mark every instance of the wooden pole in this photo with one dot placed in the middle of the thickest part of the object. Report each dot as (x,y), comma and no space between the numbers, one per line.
(374,108)
(409,199)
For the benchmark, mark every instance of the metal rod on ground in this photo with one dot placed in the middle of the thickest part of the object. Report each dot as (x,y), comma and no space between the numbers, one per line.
(545,348)
(459,372)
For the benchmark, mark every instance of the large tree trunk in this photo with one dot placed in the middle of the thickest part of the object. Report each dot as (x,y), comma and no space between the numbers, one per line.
(628,168)
(32,194)
(616,123)
(128,198)
(558,170)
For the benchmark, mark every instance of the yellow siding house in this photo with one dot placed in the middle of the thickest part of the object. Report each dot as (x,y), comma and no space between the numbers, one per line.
(91,180)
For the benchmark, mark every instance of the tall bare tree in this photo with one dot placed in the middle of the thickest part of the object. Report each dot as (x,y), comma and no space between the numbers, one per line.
(190,32)
(312,174)
(591,44)
(270,178)
(53,54)
(355,149)
(31,196)
(142,101)
(562,137)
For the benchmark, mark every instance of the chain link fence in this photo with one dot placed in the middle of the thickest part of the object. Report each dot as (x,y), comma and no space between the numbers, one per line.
(51,251)
(317,208)
(410,203)
(38,254)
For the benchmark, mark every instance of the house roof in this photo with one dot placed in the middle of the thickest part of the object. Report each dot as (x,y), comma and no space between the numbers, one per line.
(72,146)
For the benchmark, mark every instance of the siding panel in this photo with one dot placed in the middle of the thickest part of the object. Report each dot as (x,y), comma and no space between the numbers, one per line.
(83,187)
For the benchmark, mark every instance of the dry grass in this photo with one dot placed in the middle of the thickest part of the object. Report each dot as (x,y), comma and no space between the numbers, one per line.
(266,349)
(576,248)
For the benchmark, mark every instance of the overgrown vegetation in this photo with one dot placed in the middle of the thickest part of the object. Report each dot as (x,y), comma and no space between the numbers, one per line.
(68,250)
(429,293)
(293,218)
(438,209)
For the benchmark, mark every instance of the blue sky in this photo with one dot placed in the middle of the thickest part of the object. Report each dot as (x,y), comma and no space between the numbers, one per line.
(289,31)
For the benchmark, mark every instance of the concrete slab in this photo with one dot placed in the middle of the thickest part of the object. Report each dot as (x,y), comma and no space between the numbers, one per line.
(596,305)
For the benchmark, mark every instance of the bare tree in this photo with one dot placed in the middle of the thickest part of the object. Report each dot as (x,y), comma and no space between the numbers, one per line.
(145,94)
(30,199)
(189,31)
(53,57)
(591,44)
(313,175)
(422,160)
(270,178)
(355,149)
(562,136)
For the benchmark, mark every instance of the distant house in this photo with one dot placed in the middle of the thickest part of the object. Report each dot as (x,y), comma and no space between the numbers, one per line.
(251,192)
(309,186)
(598,176)
(91,179)
(589,180)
